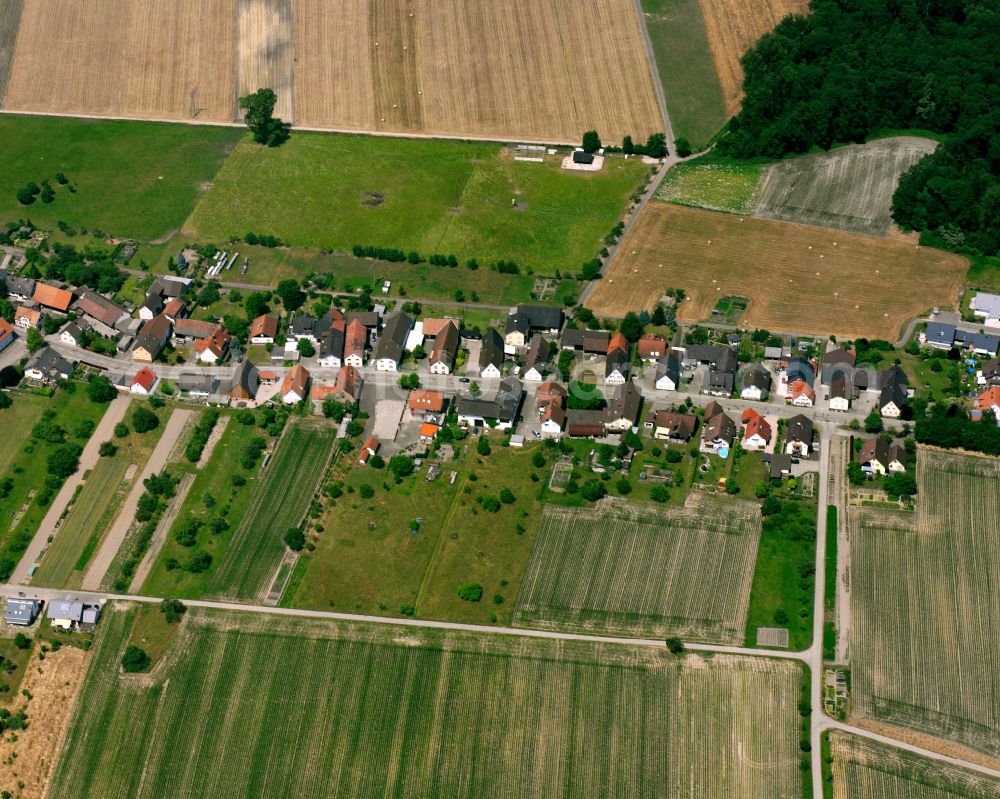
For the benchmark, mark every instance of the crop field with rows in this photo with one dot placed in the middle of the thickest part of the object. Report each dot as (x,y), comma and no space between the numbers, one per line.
(248,705)
(924,638)
(279,501)
(865,768)
(638,570)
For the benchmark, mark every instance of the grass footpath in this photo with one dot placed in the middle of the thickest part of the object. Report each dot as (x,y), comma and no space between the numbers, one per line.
(138,179)
(335,191)
(783,582)
(687,70)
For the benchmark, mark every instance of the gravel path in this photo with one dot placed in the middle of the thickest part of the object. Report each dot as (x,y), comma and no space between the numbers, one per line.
(88,460)
(116,535)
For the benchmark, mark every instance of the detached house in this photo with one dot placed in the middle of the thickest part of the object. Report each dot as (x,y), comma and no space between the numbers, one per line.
(444,349)
(424,402)
(143,383)
(27,318)
(671,425)
(295,386)
(668,372)
(48,366)
(841,392)
(264,329)
(347,387)
(71,335)
(246,381)
(491,355)
(536,361)
(651,347)
(894,394)
(213,348)
(755,382)
(151,340)
(874,456)
(504,407)
(799,436)
(989,400)
(390,346)
(622,412)
(550,401)
(800,394)
(720,430)
(756,431)
(331,346)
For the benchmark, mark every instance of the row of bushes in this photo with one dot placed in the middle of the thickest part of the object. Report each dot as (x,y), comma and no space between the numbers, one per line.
(199,438)
(262,240)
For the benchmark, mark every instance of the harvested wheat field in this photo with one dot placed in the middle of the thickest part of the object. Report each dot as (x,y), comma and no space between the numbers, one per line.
(865,768)
(265,56)
(796,277)
(53,685)
(126,58)
(533,69)
(733,27)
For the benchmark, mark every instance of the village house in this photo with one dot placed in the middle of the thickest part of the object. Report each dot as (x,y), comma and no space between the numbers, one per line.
(193,329)
(616,365)
(671,425)
(264,329)
(837,361)
(503,408)
(841,392)
(71,335)
(22,612)
(989,400)
(651,347)
(295,386)
(355,343)
(800,394)
(986,307)
(550,400)
(978,343)
(27,318)
(939,335)
(245,383)
(70,614)
(668,372)
(718,384)
(989,375)
(755,382)
(174,309)
(428,431)
(347,387)
(305,328)
(874,456)
(151,340)
(719,431)
(426,403)
(20,288)
(894,395)
(144,382)
(48,366)
(444,349)
(369,448)
(212,349)
(524,320)
(389,348)
(7,335)
(331,346)
(756,431)
(163,289)
(799,436)
(99,308)
(491,355)
(198,385)
(536,361)
(623,408)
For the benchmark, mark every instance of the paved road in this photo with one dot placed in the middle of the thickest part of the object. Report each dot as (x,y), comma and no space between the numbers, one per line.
(119,529)
(88,460)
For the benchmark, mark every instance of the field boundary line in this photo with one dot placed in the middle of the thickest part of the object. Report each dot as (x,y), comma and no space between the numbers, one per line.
(438,546)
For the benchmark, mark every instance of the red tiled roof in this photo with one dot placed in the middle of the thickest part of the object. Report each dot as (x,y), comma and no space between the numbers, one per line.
(52,297)
(216,342)
(145,378)
(618,342)
(264,325)
(33,316)
(989,398)
(5,329)
(428,430)
(652,345)
(426,400)
(296,380)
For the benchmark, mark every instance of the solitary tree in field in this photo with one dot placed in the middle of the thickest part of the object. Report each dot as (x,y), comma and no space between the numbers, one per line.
(266,128)
(591,141)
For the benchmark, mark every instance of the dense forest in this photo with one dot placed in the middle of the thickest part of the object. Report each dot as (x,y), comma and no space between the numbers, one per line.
(854,67)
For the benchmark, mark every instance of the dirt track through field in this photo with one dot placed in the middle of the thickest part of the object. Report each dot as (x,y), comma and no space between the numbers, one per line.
(128,58)
(53,684)
(797,278)
(733,27)
(265,55)
(126,516)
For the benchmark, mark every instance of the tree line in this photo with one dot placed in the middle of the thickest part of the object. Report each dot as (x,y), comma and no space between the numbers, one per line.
(849,70)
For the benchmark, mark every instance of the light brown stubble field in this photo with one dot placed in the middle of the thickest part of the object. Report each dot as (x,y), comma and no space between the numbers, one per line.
(265,56)
(733,27)
(530,69)
(797,277)
(125,58)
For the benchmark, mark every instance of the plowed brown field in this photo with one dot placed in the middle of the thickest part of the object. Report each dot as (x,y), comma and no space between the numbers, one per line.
(733,27)
(533,69)
(125,58)
(798,278)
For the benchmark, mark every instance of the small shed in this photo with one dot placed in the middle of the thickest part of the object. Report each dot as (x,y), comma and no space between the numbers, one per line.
(582,157)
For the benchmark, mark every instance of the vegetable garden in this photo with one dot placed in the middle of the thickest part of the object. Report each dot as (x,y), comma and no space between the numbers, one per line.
(637,570)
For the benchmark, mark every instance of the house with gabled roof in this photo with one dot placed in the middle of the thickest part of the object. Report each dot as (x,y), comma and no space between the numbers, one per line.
(491,355)
(151,340)
(426,402)
(295,386)
(536,365)
(756,430)
(593,342)
(874,456)
(524,320)
(668,372)
(651,347)
(623,408)
(989,400)
(53,297)
(100,308)
(719,431)
(799,436)
(369,448)
(894,395)
(347,387)
(27,318)
(837,361)
(444,349)
(264,329)
(800,394)
(48,366)
(390,346)
(7,335)
(616,367)
(755,382)
(213,348)
(841,392)
(940,336)
(143,382)
(669,424)
(355,343)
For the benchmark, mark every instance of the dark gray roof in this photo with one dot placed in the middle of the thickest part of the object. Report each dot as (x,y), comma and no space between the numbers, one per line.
(534,317)
(800,428)
(756,375)
(246,379)
(367,318)
(669,366)
(509,398)
(938,333)
(720,427)
(841,387)
(167,286)
(492,350)
(978,341)
(625,403)
(589,340)
(21,611)
(538,353)
(801,369)
(153,335)
(198,382)
(331,342)
(727,361)
(702,353)
(475,406)
(838,356)
(303,325)
(617,361)
(719,381)
(22,286)
(780,462)
(895,393)
(393,339)
(50,363)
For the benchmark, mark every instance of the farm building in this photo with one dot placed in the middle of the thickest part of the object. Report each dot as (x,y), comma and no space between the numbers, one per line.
(592,342)
(424,402)
(524,320)
(100,308)
(585,424)
(536,361)
(22,612)
(52,297)
(198,385)
(651,347)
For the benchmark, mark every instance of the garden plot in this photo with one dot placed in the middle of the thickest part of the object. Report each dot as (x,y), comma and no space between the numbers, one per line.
(849,188)
(924,600)
(243,705)
(279,501)
(639,570)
